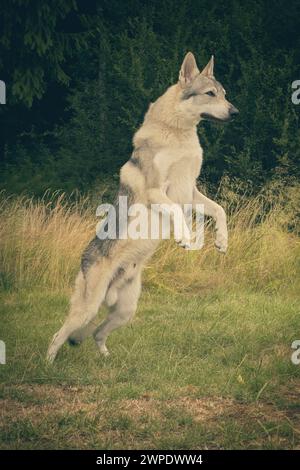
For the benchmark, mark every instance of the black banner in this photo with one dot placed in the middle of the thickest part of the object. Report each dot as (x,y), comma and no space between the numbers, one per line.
(130,459)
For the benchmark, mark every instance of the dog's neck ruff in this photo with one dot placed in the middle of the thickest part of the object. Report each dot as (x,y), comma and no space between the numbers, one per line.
(166,114)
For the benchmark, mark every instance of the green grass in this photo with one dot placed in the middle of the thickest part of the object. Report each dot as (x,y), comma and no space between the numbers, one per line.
(207,360)
(206,370)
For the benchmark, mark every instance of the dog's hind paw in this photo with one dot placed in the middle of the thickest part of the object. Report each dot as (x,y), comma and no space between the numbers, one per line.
(50,357)
(103,349)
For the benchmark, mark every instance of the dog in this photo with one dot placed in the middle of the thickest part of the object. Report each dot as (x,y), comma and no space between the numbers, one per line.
(163,170)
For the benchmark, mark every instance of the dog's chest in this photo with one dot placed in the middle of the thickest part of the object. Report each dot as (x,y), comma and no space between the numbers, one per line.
(181,161)
(179,167)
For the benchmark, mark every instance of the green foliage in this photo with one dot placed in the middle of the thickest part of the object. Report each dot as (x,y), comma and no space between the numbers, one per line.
(134,53)
(31,32)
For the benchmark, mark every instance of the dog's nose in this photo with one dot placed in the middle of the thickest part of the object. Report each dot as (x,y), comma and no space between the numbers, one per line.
(233,111)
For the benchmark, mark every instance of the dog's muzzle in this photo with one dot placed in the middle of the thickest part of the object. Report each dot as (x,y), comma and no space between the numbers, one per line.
(232,112)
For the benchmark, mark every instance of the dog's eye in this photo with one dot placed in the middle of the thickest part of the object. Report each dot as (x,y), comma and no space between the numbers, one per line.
(210,93)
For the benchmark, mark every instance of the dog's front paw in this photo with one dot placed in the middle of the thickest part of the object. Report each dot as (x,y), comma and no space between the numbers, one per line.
(184,242)
(221,242)
(183,238)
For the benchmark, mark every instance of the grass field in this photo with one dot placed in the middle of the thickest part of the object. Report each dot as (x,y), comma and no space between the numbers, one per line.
(206,362)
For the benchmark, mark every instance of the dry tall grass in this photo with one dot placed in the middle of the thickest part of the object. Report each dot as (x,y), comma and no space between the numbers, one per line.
(41,242)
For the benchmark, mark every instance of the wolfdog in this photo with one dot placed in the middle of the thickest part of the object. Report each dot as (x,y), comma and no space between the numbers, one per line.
(163,169)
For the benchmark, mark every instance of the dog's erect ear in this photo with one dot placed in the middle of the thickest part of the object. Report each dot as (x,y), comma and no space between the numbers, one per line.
(208,70)
(188,71)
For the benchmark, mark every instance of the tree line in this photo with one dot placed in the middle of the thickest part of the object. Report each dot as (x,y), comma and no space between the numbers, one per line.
(80,75)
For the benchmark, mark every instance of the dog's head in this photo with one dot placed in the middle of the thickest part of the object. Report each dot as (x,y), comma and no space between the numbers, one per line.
(201,95)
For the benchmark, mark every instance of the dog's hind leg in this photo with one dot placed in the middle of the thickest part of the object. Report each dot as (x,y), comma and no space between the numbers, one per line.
(86,300)
(121,312)
(111,297)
